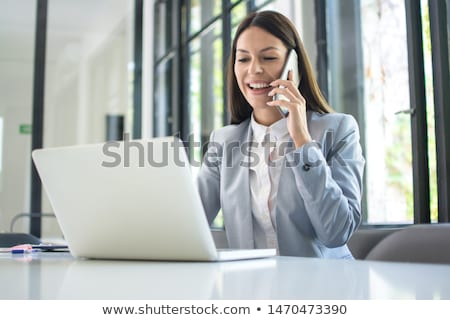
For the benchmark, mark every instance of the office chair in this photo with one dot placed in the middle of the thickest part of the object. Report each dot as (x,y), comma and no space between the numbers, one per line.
(428,243)
(363,240)
(11,239)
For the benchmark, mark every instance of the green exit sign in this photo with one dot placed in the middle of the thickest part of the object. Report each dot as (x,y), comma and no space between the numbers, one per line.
(25,129)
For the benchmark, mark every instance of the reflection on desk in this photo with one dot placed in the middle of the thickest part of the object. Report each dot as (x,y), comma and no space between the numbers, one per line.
(59,276)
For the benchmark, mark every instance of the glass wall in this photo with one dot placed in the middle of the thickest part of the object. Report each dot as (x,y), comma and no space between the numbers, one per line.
(17,31)
(88,94)
(206,72)
(89,74)
(88,66)
(370,79)
(387,126)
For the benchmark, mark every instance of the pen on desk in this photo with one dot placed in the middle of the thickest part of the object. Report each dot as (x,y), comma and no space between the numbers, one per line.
(23,251)
(23,248)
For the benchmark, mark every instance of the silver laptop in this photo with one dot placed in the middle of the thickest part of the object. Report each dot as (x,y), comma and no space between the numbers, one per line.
(130,200)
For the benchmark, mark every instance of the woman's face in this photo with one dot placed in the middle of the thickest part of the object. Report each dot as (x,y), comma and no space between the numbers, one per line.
(260,58)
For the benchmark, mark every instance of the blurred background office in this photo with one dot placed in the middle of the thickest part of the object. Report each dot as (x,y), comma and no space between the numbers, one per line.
(86,71)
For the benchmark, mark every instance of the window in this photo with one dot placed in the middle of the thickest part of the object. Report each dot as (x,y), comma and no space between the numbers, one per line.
(381,71)
(165,73)
(206,62)
(387,126)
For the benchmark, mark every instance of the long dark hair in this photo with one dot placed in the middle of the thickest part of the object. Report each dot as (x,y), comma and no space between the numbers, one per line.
(282,28)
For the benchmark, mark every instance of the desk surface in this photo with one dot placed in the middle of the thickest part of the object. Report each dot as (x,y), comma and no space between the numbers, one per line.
(59,276)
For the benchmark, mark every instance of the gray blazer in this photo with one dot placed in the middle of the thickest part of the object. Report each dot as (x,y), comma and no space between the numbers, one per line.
(319,198)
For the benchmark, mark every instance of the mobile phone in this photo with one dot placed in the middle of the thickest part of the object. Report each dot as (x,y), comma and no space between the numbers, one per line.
(290,65)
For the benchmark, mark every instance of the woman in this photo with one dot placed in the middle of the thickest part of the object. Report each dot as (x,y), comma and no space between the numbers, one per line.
(292,183)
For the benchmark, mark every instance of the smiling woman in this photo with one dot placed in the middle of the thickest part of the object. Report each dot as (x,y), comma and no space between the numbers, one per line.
(303,196)
(259,61)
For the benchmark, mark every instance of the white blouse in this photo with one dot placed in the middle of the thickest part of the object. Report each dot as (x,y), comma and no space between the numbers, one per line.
(268,150)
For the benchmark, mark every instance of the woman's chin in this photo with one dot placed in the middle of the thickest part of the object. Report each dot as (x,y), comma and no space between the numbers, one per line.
(263,107)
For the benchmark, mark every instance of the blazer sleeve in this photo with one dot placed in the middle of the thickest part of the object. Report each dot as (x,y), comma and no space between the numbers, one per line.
(329,179)
(208,179)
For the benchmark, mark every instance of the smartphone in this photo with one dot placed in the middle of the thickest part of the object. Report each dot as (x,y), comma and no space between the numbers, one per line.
(290,65)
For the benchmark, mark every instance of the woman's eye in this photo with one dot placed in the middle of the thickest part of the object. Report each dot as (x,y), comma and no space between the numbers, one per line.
(245,59)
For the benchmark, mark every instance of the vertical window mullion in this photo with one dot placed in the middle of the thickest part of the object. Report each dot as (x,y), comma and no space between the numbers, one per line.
(250,5)
(226,41)
(185,108)
(419,139)
(38,114)
(137,86)
(441,84)
(322,47)
(207,71)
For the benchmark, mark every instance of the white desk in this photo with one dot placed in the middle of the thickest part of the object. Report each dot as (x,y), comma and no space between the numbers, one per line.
(59,276)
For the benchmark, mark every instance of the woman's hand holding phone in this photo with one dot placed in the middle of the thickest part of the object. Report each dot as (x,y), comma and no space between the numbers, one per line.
(295,103)
(290,65)
(289,101)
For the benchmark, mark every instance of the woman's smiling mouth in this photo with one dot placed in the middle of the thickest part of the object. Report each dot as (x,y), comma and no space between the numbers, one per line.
(259,87)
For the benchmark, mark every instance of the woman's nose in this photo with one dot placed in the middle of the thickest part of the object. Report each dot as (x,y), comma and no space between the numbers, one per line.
(255,67)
